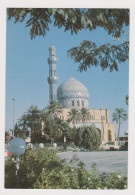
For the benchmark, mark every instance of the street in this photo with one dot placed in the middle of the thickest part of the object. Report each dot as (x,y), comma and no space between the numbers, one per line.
(106,161)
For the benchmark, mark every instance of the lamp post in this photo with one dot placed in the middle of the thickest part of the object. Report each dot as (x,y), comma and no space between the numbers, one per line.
(13,114)
(17,147)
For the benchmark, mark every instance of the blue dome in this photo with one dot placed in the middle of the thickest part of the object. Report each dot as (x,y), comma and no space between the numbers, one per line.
(72,93)
(72,88)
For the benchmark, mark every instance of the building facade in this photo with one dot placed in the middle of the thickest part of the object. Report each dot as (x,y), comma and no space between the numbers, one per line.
(73,94)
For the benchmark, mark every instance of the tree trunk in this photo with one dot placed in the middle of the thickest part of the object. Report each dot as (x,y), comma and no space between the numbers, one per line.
(64,138)
(51,141)
(119,130)
(83,121)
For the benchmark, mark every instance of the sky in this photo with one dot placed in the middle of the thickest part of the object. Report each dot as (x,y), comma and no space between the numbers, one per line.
(27,71)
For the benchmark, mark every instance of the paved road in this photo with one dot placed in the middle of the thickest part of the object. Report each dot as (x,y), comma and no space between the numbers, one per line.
(108,161)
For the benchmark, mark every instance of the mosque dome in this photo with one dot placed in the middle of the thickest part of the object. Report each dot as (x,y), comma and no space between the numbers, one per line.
(73,93)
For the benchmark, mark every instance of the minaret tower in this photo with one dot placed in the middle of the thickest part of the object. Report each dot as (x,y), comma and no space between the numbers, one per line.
(52,79)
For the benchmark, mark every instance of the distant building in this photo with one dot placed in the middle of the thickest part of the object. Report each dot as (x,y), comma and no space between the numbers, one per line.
(123,140)
(73,94)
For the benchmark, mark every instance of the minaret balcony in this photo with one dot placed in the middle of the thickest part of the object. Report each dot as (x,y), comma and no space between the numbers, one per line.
(52,80)
(52,60)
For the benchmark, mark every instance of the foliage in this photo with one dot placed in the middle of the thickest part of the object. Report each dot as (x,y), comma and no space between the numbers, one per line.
(74,116)
(119,115)
(88,137)
(71,135)
(37,137)
(124,147)
(85,115)
(42,169)
(112,20)
(50,118)
(127,99)
(21,127)
(50,129)
(63,128)
(7,136)
(54,109)
(22,133)
(10,178)
(6,133)
(78,137)
(88,53)
(34,121)
(23,122)
(55,129)
(38,121)
(31,121)
(33,117)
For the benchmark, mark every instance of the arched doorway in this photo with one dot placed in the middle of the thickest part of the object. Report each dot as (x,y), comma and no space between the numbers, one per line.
(109,136)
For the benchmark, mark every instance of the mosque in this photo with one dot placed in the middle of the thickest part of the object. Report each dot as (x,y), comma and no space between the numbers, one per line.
(73,94)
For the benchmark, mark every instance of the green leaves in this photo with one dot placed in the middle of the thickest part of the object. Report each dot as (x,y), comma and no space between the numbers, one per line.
(43,169)
(74,20)
(88,137)
(88,54)
(119,116)
(119,113)
(127,99)
(85,115)
(39,19)
(112,20)
(73,116)
(54,109)
(54,127)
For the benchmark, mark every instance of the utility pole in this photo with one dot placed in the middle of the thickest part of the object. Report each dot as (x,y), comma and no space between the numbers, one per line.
(13,114)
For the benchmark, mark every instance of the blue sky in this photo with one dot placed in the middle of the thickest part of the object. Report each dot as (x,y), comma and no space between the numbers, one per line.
(27,70)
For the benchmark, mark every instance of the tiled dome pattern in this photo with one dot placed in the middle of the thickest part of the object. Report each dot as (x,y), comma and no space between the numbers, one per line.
(72,90)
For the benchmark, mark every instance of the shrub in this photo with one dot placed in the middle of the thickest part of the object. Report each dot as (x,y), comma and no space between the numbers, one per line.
(88,137)
(10,178)
(42,169)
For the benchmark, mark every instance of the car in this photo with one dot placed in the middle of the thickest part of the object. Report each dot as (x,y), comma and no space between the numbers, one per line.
(82,150)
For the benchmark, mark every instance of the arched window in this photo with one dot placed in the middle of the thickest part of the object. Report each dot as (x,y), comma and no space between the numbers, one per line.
(82,103)
(73,103)
(78,103)
(109,136)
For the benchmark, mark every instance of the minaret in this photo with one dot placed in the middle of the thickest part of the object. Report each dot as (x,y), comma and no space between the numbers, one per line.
(52,79)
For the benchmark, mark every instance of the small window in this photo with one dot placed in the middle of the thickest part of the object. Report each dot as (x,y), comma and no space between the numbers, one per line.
(78,103)
(102,117)
(109,136)
(82,103)
(51,73)
(92,117)
(73,103)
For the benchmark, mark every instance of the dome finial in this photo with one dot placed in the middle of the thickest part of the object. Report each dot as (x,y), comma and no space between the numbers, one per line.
(52,47)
